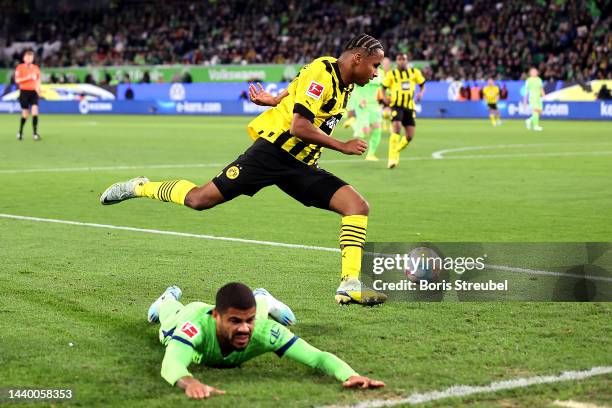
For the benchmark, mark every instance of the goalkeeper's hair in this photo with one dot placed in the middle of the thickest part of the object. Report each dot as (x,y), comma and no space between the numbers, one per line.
(363,42)
(236,295)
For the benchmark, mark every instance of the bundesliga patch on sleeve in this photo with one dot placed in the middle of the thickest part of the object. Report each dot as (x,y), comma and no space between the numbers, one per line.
(315,90)
(190,330)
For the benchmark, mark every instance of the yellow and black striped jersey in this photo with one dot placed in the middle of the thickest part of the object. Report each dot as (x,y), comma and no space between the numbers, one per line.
(318,94)
(491,94)
(401,83)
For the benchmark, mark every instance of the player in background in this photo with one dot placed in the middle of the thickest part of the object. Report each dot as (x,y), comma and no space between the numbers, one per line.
(534,91)
(491,96)
(402,82)
(236,329)
(386,117)
(27,78)
(351,117)
(368,113)
(289,139)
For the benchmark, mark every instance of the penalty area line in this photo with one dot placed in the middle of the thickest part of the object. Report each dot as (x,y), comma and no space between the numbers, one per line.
(466,390)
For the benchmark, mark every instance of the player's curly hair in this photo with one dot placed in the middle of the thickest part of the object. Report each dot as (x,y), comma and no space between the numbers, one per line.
(364,41)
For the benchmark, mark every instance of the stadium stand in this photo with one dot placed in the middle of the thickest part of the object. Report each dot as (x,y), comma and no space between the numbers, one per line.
(461,39)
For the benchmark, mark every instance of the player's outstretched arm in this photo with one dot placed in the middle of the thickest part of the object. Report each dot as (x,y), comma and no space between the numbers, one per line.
(196,390)
(174,370)
(304,353)
(305,130)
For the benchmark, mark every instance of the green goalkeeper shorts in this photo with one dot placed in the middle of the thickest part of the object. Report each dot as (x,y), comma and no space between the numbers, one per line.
(535,103)
(366,117)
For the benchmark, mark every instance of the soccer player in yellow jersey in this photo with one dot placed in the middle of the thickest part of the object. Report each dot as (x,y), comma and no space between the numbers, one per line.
(386,126)
(288,141)
(491,96)
(402,82)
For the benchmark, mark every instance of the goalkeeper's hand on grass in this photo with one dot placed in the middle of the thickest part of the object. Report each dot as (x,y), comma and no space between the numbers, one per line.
(197,390)
(358,381)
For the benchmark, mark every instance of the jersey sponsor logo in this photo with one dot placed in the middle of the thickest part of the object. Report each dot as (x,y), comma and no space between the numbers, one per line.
(190,330)
(274,335)
(332,122)
(233,172)
(315,90)
(405,86)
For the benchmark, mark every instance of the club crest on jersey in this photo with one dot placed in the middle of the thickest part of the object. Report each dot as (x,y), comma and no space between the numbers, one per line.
(233,172)
(315,90)
(190,330)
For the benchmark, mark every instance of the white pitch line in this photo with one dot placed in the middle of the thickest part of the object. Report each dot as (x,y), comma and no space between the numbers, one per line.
(465,390)
(338,161)
(109,168)
(576,404)
(543,154)
(132,167)
(267,243)
(172,233)
(440,153)
(546,273)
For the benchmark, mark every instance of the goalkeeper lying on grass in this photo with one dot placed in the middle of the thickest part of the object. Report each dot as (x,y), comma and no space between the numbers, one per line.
(233,331)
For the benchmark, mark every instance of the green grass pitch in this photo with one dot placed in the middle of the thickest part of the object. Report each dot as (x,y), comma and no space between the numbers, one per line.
(62,284)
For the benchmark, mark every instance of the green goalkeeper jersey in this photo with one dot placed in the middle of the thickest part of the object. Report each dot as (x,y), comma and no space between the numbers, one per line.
(369,92)
(534,87)
(193,339)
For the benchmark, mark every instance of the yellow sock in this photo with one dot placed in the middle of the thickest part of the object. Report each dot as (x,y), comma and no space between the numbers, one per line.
(402,145)
(352,240)
(386,125)
(393,141)
(349,122)
(173,190)
(492,117)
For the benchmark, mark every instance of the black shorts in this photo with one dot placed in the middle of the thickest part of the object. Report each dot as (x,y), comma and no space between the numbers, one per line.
(406,116)
(264,164)
(27,99)
(492,106)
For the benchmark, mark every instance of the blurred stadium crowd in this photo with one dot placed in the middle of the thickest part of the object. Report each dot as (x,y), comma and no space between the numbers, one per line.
(461,39)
